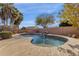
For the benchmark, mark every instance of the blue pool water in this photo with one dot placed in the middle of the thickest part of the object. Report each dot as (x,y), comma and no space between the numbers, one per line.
(48,40)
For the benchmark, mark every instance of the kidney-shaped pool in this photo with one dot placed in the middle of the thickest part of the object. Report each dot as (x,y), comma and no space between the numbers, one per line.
(48,40)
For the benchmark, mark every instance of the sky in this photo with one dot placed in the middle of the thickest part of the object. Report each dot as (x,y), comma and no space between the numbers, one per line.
(32,10)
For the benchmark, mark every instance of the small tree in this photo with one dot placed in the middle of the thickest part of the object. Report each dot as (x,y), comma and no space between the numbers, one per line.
(44,20)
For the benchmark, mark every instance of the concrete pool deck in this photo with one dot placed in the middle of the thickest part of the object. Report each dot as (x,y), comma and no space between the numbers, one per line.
(21,46)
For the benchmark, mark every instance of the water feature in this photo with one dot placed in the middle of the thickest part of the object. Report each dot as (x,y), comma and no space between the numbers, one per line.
(48,40)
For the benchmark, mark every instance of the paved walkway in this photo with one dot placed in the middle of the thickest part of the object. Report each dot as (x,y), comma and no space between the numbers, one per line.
(21,46)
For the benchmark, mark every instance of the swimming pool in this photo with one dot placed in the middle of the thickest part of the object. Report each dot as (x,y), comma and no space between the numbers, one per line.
(48,40)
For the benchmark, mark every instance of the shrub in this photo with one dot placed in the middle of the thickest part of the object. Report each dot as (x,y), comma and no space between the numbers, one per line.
(5,34)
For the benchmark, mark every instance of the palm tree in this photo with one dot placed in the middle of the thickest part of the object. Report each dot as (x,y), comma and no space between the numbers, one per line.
(17,17)
(44,20)
(19,20)
(8,11)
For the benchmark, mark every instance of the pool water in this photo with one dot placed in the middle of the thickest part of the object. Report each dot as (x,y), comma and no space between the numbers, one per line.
(48,40)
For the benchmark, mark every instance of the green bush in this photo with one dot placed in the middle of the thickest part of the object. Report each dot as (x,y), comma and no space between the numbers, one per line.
(5,34)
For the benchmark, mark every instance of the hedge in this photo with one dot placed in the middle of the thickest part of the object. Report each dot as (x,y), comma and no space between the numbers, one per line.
(5,35)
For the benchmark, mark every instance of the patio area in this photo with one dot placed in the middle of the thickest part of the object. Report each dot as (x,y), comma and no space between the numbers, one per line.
(21,46)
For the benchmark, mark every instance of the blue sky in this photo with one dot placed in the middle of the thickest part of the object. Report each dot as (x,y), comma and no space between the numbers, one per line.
(32,10)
